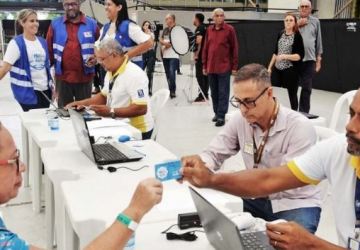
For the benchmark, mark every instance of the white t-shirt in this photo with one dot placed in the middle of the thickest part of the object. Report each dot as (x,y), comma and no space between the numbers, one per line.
(131,86)
(167,52)
(330,160)
(37,59)
(135,33)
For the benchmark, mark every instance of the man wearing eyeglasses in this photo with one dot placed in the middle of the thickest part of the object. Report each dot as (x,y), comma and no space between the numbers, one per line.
(70,40)
(309,27)
(147,194)
(267,134)
(336,159)
(125,92)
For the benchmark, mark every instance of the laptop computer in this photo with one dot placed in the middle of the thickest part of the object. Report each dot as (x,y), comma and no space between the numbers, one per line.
(222,232)
(104,153)
(60,111)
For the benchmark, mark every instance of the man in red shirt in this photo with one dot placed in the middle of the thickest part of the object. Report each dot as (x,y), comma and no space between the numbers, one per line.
(220,59)
(71,41)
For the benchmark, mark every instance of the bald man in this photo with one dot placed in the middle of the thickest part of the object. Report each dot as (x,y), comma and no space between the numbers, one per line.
(309,27)
(336,159)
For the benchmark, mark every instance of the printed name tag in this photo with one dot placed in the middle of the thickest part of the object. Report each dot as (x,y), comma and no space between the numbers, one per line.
(168,170)
(87,34)
(249,148)
(353,244)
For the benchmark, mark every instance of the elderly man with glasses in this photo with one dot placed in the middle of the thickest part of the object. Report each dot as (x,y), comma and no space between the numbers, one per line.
(267,134)
(147,194)
(125,92)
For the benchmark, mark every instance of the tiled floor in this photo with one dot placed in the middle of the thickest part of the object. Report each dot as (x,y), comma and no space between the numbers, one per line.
(184,128)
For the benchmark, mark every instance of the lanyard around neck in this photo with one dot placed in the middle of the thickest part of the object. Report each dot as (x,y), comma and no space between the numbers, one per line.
(259,151)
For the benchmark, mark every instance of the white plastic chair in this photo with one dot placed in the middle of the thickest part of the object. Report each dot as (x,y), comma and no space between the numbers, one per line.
(323,133)
(157,102)
(344,99)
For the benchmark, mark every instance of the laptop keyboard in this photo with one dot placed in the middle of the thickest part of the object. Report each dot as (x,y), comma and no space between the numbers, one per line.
(251,241)
(107,152)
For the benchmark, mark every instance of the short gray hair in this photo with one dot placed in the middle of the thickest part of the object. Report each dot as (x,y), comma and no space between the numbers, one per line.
(305,1)
(217,10)
(256,72)
(111,46)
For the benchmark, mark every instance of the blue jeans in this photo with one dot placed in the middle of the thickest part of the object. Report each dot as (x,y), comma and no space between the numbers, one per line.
(220,91)
(170,66)
(308,217)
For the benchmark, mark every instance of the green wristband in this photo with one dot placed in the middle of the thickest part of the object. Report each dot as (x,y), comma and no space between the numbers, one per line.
(127,221)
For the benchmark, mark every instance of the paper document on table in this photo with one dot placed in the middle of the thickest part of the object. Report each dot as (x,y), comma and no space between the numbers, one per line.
(114,132)
(176,199)
(107,122)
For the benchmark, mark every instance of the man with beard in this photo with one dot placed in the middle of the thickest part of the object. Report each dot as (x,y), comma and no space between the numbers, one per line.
(71,41)
(336,159)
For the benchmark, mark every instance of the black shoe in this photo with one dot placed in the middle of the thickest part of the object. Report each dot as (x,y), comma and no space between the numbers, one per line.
(179,73)
(199,99)
(172,95)
(220,122)
(214,119)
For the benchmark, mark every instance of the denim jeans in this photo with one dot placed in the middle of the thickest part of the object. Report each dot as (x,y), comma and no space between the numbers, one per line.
(308,217)
(170,66)
(220,91)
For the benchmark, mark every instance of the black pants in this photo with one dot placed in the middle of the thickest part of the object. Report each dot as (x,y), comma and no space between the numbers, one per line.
(42,102)
(69,92)
(306,76)
(202,79)
(288,78)
(149,59)
(99,76)
(147,135)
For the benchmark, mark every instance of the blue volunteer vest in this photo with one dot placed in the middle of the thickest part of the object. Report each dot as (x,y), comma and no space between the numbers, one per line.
(20,75)
(122,36)
(86,37)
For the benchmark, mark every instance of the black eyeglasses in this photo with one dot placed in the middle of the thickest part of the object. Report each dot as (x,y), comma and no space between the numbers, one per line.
(304,6)
(15,161)
(249,104)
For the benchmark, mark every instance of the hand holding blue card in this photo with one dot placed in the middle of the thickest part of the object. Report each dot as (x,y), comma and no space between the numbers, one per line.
(168,170)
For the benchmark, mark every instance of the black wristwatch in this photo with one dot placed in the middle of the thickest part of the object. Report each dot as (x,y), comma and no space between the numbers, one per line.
(112,113)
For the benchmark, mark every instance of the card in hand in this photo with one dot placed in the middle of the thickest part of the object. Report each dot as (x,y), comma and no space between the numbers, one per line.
(168,170)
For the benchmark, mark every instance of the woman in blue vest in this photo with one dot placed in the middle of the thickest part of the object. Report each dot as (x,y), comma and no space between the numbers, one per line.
(27,59)
(133,40)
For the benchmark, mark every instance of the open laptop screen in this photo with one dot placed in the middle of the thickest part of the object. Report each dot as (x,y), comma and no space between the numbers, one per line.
(81,133)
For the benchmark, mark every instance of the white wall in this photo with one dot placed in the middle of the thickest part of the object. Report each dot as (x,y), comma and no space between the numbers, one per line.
(283,4)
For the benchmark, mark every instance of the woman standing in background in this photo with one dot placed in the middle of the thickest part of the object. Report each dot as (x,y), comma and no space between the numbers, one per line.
(133,40)
(288,54)
(149,57)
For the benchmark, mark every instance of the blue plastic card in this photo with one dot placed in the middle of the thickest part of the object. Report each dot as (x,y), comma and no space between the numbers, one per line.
(168,170)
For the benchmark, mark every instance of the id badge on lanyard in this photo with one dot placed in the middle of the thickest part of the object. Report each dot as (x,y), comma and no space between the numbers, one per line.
(354,242)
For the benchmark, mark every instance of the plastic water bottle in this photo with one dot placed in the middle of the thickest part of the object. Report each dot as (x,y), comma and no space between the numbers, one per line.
(53,122)
(130,245)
